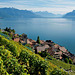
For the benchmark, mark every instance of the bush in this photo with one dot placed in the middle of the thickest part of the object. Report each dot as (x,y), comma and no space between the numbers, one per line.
(10,63)
(5,33)
(28,45)
(70,61)
(66,60)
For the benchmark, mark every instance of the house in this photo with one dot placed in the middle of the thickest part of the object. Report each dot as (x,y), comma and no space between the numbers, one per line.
(42,41)
(63,49)
(16,35)
(50,51)
(74,61)
(57,52)
(46,46)
(23,42)
(56,46)
(58,55)
(40,47)
(31,42)
(50,43)
(23,38)
(16,39)
(11,33)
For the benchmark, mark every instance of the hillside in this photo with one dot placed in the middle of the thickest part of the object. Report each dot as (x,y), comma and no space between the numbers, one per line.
(19,60)
(16,13)
(70,14)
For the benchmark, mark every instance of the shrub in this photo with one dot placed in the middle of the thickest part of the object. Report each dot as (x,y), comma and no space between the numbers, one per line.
(66,60)
(28,45)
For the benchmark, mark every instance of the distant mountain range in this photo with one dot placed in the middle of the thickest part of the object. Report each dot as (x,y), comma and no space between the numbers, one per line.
(47,14)
(16,13)
(70,14)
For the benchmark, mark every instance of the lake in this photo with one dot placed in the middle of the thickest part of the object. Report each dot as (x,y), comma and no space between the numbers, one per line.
(59,30)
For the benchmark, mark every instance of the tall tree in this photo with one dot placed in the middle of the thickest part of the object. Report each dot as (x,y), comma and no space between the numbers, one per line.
(38,40)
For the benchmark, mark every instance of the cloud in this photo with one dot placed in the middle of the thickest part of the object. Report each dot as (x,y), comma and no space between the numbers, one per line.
(54,6)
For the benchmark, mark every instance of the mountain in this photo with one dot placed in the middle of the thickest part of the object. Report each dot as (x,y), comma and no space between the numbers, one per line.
(70,14)
(16,13)
(47,14)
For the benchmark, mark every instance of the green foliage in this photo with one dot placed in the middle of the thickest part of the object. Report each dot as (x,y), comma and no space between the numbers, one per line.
(43,53)
(66,60)
(70,61)
(62,64)
(5,33)
(38,40)
(9,30)
(35,65)
(28,45)
(2,70)
(6,36)
(57,72)
(13,30)
(10,62)
(19,60)
(20,35)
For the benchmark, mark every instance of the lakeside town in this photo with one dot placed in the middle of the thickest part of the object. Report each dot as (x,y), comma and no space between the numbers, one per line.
(55,50)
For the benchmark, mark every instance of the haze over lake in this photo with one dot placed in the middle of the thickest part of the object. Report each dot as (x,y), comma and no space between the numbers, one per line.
(59,30)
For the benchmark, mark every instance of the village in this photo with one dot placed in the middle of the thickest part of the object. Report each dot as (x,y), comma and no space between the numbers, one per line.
(55,50)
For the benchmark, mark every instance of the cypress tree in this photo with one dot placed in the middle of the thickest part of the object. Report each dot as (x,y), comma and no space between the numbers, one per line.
(38,40)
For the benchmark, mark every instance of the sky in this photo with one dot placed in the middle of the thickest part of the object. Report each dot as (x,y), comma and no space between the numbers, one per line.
(52,6)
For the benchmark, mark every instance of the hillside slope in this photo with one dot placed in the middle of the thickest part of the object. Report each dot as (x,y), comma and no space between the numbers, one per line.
(19,60)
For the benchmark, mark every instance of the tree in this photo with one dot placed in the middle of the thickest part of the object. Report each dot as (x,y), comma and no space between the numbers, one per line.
(13,30)
(6,29)
(9,30)
(38,40)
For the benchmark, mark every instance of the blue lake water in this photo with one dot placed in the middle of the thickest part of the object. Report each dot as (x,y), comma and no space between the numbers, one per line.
(59,30)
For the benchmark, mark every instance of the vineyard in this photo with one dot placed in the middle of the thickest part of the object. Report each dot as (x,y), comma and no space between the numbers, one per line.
(16,59)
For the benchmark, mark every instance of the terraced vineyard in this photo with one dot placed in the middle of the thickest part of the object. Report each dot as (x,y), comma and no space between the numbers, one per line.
(15,59)
(63,65)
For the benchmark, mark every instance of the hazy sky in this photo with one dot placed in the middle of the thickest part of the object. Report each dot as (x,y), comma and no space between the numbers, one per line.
(54,6)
